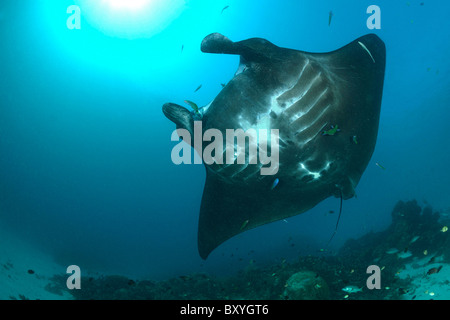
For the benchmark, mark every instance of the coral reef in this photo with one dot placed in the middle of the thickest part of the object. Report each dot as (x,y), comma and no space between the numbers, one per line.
(414,232)
(306,285)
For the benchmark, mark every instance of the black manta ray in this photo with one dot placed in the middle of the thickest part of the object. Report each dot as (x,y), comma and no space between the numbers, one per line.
(326,107)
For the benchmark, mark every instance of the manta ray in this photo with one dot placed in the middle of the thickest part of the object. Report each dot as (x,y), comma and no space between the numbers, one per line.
(326,108)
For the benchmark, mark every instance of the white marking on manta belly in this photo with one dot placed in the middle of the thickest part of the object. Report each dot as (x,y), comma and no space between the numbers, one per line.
(205,108)
(299,77)
(316,175)
(365,48)
(274,105)
(242,67)
(262,122)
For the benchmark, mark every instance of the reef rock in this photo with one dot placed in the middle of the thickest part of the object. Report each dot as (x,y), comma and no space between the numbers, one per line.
(306,285)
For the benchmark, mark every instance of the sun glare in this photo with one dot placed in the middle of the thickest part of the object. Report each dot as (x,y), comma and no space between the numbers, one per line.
(131,18)
(128,4)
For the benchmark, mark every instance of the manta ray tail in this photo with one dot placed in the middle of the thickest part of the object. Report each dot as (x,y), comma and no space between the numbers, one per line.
(337,223)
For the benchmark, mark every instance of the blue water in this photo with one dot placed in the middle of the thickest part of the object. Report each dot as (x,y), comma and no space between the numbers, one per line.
(85,166)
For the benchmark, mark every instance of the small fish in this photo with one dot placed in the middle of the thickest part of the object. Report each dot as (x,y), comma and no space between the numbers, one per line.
(351,289)
(275,183)
(193,106)
(392,251)
(444,229)
(380,166)
(354,139)
(425,252)
(30,271)
(224,8)
(244,224)
(223,85)
(402,290)
(182,48)
(434,270)
(414,239)
(198,88)
(330,17)
(405,254)
(332,131)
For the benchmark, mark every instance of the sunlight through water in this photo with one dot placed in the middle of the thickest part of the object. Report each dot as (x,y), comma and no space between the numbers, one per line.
(131,19)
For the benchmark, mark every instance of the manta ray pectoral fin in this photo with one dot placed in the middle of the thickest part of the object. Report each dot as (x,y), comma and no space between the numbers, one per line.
(228,209)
